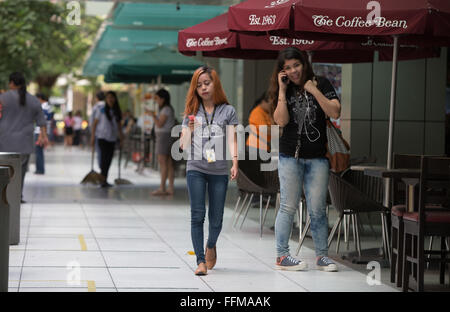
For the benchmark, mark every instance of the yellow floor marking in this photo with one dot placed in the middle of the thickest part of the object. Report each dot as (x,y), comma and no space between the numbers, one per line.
(82,242)
(91,286)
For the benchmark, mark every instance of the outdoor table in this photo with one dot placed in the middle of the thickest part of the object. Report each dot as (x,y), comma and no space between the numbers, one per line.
(409,176)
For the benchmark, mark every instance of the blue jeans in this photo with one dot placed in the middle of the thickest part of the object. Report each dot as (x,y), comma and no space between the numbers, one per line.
(312,176)
(39,151)
(216,185)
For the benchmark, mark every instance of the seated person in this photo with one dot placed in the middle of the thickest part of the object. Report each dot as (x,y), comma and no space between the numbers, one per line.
(258,141)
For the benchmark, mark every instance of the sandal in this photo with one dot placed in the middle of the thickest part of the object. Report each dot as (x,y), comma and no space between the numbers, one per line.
(159,192)
(211,257)
(201,269)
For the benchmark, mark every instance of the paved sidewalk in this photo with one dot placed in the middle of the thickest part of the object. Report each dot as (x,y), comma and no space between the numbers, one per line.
(123,239)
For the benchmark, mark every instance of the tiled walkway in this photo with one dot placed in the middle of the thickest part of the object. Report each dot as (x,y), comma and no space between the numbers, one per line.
(83,238)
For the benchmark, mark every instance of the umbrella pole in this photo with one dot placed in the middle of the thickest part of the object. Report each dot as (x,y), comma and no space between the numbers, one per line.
(392,105)
(310,56)
(390,140)
(159,79)
(391,117)
(141,165)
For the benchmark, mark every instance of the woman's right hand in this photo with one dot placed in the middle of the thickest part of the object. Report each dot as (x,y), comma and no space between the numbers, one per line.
(191,125)
(281,84)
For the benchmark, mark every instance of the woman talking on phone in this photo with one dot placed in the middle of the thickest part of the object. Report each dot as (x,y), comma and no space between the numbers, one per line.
(205,135)
(302,103)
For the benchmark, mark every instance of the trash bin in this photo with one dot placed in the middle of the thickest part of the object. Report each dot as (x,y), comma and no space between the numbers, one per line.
(13,193)
(4,229)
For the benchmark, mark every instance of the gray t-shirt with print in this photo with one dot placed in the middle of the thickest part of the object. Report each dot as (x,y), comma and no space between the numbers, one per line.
(224,115)
(17,122)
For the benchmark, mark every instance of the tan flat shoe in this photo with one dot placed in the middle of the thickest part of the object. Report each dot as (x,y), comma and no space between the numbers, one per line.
(211,257)
(159,192)
(201,269)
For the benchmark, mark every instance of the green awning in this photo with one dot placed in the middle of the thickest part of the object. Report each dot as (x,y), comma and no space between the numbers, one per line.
(168,16)
(147,66)
(137,27)
(109,78)
(116,44)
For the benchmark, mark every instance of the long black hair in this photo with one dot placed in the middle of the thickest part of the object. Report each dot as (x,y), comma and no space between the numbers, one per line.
(262,97)
(165,95)
(19,81)
(289,54)
(115,109)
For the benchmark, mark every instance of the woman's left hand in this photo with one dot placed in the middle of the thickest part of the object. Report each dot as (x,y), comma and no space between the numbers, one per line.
(234,172)
(311,85)
(43,141)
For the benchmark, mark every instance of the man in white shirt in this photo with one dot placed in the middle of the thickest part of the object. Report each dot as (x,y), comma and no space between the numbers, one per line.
(100,96)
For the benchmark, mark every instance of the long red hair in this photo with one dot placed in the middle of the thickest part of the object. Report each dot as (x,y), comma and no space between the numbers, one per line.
(193,100)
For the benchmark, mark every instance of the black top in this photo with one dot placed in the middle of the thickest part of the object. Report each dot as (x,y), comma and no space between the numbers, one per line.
(311,117)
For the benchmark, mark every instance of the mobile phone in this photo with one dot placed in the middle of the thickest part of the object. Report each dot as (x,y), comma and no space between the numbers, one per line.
(191,117)
(285,79)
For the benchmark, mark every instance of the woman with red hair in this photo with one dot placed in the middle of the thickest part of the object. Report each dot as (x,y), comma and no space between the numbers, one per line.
(208,127)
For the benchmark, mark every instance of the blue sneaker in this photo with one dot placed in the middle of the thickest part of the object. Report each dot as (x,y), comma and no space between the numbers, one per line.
(326,264)
(289,263)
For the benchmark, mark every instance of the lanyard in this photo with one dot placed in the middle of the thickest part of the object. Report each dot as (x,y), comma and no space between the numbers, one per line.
(207,122)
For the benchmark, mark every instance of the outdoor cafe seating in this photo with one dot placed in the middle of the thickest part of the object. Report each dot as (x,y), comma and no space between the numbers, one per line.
(405,201)
(398,196)
(351,199)
(419,200)
(251,181)
(432,218)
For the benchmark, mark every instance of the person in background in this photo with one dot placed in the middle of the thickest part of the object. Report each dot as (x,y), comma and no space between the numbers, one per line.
(128,122)
(258,142)
(68,130)
(145,122)
(301,104)
(260,115)
(19,112)
(106,129)
(207,104)
(38,148)
(100,97)
(53,130)
(128,127)
(164,121)
(77,122)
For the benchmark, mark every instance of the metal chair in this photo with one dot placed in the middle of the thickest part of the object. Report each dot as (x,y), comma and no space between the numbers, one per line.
(434,187)
(268,185)
(398,209)
(350,200)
